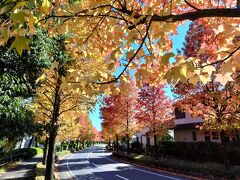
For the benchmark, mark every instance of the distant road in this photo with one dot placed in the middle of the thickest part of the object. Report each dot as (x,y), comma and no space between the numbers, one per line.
(95,163)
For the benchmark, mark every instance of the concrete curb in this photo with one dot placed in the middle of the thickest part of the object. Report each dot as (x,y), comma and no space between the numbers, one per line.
(172,172)
(57,174)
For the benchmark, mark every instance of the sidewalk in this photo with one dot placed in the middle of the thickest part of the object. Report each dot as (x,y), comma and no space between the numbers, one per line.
(25,170)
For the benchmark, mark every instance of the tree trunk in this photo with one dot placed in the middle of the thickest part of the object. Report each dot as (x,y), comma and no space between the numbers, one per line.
(53,130)
(30,142)
(128,145)
(116,142)
(45,151)
(77,144)
(50,157)
(155,146)
(224,150)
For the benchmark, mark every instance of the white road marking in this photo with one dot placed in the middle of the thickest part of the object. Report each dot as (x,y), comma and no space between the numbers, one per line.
(149,172)
(71,174)
(122,177)
(110,159)
(95,165)
(160,175)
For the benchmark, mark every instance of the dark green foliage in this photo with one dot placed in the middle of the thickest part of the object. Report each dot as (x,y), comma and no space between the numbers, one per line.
(18,154)
(207,170)
(18,84)
(201,151)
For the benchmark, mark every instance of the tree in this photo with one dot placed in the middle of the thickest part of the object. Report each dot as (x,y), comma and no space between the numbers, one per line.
(153,111)
(118,112)
(217,103)
(67,87)
(111,121)
(148,24)
(17,86)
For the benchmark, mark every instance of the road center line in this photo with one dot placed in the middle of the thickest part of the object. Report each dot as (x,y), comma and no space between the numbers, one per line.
(122,177)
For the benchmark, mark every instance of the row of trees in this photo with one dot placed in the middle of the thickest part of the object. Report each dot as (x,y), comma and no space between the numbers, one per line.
(36,99)
(129,111)
(100,36)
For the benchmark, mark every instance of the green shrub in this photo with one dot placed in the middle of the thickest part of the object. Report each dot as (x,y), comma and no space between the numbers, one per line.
(200,151)
(187,167)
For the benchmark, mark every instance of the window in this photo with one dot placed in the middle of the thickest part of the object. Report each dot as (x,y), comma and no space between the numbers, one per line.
(194,136)
(179,114)
(215,135)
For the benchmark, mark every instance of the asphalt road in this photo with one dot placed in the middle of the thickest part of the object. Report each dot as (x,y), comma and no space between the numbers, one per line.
(95,163)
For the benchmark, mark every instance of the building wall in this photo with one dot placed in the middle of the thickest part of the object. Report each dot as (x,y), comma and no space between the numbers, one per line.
(186,135)
(188,120)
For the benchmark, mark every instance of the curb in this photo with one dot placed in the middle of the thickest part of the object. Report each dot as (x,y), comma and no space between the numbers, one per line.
(57,174)
(172,172)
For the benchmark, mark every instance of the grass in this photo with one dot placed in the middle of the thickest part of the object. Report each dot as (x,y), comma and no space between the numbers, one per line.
(7,167)
(40,168)
(38,150)
(185,167)
(63,153)
(33,151)
(40,171)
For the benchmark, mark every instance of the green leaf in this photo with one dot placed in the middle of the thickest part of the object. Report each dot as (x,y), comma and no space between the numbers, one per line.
(20,43)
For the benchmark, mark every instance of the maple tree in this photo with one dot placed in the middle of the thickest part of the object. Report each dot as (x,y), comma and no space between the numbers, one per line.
(112,27)
(153,111)
(217,102)
(111,121)
(119,112)
(57,97)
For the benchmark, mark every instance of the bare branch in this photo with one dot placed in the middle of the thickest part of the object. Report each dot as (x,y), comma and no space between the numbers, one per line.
(44,93)
(44,107)
(190,5)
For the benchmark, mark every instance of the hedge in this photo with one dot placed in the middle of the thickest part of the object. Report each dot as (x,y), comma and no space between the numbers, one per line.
(17,154)
(201,151)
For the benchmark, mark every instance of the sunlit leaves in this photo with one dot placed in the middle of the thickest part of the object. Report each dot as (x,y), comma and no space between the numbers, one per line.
(21,43)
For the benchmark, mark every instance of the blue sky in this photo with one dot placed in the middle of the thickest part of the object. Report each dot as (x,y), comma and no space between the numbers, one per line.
(177,44)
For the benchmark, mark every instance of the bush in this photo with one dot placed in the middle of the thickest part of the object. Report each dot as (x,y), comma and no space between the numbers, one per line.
(191,168)
(137,147)
(200,151)
(18,154)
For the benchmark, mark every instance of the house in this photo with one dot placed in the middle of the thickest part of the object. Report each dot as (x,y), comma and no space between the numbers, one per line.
(144,138)
(185,130)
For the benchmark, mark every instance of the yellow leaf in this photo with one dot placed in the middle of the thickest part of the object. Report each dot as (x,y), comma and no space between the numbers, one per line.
(20,43)
(5,33)
(31,21)
(209,69)
(42,77)
(194,80)
(46,6)
(228,67)
(165,59)
(204,78)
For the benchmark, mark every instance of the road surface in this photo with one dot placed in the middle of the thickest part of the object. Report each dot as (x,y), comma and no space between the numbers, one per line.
(95,163)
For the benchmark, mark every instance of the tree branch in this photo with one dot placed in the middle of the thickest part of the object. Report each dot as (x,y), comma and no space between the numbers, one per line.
(190,5)
(222,60)
(131,59)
